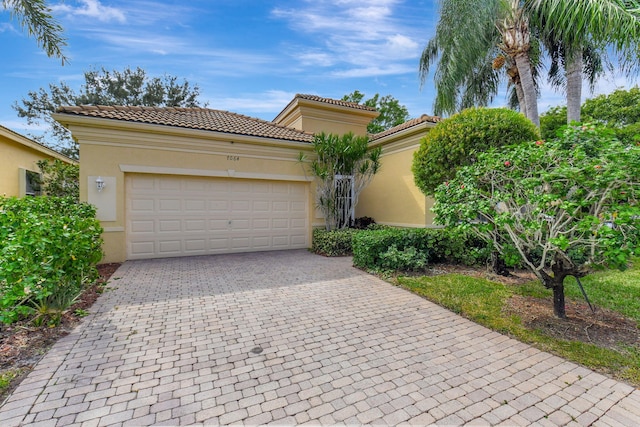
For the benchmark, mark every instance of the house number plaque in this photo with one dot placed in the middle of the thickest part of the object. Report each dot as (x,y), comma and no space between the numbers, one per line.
(233,158)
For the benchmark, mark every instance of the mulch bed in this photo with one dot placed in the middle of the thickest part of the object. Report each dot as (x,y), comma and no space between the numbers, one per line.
(22,345)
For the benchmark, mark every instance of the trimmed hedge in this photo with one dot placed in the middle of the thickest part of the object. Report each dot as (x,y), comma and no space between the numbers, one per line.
(414,248)
(49,247)
(402,249)
(332,243)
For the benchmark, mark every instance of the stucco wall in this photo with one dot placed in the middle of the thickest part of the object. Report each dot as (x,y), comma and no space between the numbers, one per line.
(392,197)
(15,156)
(112,154)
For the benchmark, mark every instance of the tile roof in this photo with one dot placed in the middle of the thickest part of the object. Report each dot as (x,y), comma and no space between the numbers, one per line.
(191,118)
(406,125)
(333,102)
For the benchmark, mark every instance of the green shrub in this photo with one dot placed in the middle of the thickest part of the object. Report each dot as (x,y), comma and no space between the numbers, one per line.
(49,248)
(332,243)
(408,259)
(454,142)
(376,249)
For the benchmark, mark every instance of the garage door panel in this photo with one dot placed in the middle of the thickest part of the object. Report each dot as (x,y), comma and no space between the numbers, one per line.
(196,206)
(280,223)
(219,225)
(280,188)
(169,184)
(240,243)
(169,205)
(195,245)
(280,206)
(240,206)
(174,216)
(167,247)
(260,206)
(165,226)
(142,226)
(241,187)
(198,225)
(261,224)
(219,205)
(143,205)
(142,249)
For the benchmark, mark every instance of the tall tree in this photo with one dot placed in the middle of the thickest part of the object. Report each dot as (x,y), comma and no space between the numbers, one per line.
(391,112)
(468,35)
(580,24)
(35,16)
(471,32)
(102,87)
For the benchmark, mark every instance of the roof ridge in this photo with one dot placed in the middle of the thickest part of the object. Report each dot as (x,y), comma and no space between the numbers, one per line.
(424,118)
(334,101)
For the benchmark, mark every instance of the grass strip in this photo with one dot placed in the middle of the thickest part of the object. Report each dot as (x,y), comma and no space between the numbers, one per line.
(482,301)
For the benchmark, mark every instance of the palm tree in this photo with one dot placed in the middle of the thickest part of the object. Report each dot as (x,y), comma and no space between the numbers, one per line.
(468,35)
(35,15)
(586,25)
(472,32)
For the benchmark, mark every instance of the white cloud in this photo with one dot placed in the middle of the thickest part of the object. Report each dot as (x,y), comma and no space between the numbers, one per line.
(5,26)
(92,9)
(375,70)
(353,33)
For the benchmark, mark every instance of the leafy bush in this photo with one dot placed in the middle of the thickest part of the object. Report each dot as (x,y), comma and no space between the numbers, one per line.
(408,259)
(332,243)
(377,249)
(562,207)
(455,142)
(49,247)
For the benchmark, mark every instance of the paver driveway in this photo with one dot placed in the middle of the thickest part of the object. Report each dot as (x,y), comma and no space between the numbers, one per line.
(290,337)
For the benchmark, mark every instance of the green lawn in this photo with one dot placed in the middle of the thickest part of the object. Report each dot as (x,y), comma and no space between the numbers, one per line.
(482,301)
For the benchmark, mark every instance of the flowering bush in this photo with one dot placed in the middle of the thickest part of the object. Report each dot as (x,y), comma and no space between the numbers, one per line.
(560,207)
(49,247)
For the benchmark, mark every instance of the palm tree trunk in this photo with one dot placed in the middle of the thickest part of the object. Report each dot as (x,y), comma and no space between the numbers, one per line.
(528,87)
(520,95)
(574,86)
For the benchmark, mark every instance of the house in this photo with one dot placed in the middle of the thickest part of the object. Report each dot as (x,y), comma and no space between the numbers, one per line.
(19,158)
(193,181)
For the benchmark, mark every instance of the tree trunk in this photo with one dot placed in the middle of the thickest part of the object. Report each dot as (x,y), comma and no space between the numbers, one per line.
(528,87)
(558,301)
(520,94)
(574,86)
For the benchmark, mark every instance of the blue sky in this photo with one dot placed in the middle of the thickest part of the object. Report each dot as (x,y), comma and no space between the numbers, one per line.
(247,56)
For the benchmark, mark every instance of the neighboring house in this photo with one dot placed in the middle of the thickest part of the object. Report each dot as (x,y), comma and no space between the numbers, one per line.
(19,158)
(194,181)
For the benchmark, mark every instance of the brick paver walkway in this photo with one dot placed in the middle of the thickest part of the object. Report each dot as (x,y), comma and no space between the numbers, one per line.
(290,338)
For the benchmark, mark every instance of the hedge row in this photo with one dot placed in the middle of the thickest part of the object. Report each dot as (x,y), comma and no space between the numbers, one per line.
(401,248)
(49,248)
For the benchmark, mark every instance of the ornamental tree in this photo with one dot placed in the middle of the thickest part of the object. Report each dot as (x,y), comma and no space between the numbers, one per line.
(343,166)
(560,207)
(455,142)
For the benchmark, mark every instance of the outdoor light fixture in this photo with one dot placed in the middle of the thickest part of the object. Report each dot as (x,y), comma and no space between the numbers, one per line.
(100,184)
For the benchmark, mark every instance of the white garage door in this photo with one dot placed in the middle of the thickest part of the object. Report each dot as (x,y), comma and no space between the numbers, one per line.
(170,216)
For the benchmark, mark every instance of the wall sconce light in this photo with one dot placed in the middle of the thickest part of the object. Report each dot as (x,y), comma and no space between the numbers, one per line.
(100,184)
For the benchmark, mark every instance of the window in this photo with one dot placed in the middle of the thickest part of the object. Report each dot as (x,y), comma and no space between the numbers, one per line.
(30,183)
